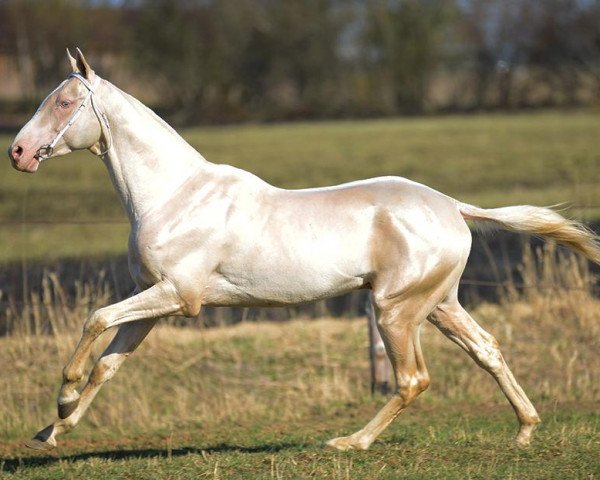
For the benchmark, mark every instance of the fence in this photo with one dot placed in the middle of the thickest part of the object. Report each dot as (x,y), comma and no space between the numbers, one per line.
(32,307)
(123,221)
(485,252)
(493,266)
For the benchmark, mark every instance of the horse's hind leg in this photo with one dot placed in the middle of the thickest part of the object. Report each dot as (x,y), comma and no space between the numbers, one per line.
(454,322)
(126,340)
(399,327)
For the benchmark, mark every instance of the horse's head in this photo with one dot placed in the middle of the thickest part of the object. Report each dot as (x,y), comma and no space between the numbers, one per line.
(65,121)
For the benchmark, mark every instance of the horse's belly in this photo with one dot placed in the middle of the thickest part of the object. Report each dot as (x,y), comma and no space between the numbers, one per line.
(305,258)
(279,285)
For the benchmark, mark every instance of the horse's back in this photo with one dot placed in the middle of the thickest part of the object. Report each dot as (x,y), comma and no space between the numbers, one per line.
(410,205)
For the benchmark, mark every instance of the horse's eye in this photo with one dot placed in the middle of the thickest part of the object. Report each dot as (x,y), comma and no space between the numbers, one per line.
(65,104)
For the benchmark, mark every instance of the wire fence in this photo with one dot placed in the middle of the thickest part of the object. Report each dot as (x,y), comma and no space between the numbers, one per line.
(123,220)
(101,221)
(506,284)
(519,286)
(473,282)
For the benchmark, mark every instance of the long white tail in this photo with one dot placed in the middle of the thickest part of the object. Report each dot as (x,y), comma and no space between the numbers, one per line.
(543,222)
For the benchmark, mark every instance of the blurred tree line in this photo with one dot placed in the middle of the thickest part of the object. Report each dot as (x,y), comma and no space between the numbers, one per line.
(233,60)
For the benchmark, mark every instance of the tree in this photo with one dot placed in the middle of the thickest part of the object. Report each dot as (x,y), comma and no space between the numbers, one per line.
(404,37)
(39,32)
(172,42)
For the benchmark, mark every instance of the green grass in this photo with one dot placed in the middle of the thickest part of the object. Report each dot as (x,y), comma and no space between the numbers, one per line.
(491,160)
(450,443)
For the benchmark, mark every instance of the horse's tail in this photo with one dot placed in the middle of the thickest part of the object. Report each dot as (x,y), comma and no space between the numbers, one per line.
(543,222)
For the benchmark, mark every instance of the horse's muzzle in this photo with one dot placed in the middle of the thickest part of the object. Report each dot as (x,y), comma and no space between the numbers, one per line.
(20,159)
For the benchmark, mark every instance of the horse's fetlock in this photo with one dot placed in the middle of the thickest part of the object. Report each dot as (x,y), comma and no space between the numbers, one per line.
(71,376)
(531,420)
(68,423)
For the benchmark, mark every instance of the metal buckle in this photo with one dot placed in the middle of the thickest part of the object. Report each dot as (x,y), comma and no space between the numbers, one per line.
(44,153)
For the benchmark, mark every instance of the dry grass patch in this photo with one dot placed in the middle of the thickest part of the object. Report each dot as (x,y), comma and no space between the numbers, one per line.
(269,373)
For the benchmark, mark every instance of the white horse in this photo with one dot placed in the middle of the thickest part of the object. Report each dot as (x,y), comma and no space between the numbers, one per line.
(206,234)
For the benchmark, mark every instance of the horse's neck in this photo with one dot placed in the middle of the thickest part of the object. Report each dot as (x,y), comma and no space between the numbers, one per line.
(148,160)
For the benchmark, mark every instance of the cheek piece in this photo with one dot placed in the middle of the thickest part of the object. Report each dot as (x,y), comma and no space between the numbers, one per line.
(46,151)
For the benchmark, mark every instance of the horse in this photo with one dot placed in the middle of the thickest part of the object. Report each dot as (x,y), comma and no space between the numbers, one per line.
(205,234)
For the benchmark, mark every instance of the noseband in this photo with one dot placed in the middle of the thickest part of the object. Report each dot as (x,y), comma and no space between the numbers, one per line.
(46,151)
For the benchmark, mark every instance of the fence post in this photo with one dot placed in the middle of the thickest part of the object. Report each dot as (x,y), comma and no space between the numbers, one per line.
(381,369)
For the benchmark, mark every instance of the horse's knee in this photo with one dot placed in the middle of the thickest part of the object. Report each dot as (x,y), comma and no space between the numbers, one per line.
(96,324)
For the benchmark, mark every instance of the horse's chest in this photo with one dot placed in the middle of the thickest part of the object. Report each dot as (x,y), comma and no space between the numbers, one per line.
(142,264)
(147,255)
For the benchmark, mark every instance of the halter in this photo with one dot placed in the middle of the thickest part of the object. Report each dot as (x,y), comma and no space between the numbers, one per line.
(46,151)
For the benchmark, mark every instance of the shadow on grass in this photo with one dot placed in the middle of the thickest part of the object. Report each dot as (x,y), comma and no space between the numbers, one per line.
(11,465)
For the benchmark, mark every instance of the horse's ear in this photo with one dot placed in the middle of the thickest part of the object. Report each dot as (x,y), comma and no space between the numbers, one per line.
(72,61)
(83,67)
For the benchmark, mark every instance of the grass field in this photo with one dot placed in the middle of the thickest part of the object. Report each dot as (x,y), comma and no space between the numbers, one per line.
(446,443)
(490,160)
(260,400)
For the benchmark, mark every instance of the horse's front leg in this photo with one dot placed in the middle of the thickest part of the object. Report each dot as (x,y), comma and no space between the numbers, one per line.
(158,301)
(126,340)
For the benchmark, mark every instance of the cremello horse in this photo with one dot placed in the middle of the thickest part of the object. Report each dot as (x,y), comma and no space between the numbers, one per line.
(206,234)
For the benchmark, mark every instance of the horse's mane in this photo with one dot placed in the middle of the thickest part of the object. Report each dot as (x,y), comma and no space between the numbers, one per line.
(138,105)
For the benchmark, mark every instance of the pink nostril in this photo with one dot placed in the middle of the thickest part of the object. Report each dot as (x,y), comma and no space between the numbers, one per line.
(17,151)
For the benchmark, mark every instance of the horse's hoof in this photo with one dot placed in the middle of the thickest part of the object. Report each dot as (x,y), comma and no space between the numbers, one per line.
(66,409)
(347,443)
(44,440)
(523,441)
(523,438)
(37,444)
